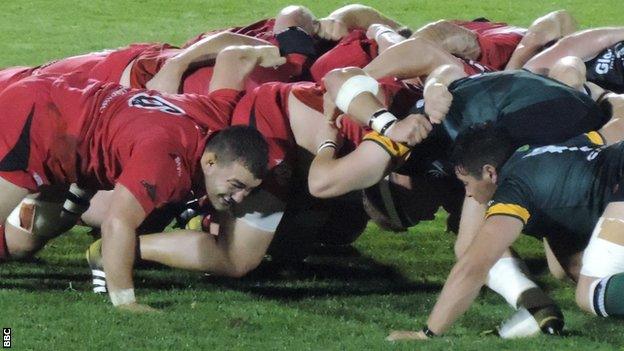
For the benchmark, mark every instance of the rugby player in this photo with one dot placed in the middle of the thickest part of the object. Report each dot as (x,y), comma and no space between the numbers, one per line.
(153,149)
(526,106)
(284,113)
(569,193)
(480,44)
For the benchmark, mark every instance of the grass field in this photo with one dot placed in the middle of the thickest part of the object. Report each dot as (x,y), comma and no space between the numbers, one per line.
(335,301)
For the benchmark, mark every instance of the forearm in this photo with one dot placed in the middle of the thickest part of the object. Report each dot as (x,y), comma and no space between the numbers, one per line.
(585,45)
(118,249)
(461,289)
(322,179)
(209,47)
(360,16)
(396,60)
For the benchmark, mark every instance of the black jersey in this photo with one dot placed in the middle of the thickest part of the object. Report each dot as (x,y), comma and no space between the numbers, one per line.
(533,109)
(607,68)
(559,190)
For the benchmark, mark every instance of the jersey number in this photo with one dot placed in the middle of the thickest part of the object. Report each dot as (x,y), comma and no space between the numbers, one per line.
(143,100)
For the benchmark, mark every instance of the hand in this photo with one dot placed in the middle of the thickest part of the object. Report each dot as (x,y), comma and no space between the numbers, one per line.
(269,56)
(411,130)
(331,29)
(375,29)
(328,131)
(330,110)
(401,335)
(438,100)
(137,308)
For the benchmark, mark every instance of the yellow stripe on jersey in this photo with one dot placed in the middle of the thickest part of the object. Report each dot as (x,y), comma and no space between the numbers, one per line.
(595,138)
(509,210)
(396,150)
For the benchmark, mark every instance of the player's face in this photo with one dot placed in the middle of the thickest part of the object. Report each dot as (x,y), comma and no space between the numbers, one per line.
(481,190)
(227,185)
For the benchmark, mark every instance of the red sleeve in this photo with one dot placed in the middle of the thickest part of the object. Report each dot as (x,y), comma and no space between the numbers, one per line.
(221,103)
(155,174)
(148,63)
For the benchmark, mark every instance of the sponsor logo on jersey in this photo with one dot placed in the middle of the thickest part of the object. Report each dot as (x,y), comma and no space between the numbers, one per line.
(554,149)
(154,102)
(605,62)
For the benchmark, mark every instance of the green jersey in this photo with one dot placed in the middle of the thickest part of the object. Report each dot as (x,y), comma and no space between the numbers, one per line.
(559,190)
(533,109)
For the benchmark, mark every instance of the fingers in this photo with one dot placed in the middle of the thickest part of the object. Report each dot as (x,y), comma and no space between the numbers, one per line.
(269,56)
(437,102)
(411,130)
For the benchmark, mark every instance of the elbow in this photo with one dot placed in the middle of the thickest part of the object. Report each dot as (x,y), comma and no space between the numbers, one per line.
(319,187)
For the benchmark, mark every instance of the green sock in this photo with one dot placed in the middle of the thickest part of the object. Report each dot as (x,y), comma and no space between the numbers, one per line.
(614,296)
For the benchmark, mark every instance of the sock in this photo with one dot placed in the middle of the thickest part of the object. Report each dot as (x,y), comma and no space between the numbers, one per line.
(507,279)
(609,296)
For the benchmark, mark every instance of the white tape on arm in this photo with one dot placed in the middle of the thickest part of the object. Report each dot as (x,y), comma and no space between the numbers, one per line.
(353,87)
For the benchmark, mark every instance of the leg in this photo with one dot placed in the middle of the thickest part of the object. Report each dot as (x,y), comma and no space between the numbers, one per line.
(11,196)
(43,216)
(543,30)
(601,285)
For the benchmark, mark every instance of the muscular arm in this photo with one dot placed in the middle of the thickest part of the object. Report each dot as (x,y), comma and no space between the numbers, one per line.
(360,169)
(168,78)
(239,248)
(469,274)
(425,56)
(584,44)
(235,63)
(119,237)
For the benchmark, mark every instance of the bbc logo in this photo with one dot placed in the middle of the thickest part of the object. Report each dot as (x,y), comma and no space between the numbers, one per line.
(6,338)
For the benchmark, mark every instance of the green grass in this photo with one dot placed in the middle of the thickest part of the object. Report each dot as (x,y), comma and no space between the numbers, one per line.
(332,302)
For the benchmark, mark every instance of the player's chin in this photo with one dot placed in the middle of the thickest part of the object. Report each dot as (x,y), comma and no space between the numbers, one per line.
(220,204)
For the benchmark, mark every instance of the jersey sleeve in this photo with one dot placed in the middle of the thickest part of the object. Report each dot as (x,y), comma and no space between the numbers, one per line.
(396,150)
(155,174)
(220,106)
(511,199)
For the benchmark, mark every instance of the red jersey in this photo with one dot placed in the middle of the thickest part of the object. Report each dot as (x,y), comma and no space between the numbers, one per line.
(354,50)
(196,80)
(107,65)
(98,134)
(496,40)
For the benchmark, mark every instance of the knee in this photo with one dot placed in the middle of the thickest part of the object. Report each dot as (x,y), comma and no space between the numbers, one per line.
(21,243)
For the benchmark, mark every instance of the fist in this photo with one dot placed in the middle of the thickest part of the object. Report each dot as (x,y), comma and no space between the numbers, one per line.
(411,130)
(331,29)
(437,102)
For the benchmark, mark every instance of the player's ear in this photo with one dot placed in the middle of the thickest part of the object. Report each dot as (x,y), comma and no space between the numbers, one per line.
(208,160)
(489,173)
